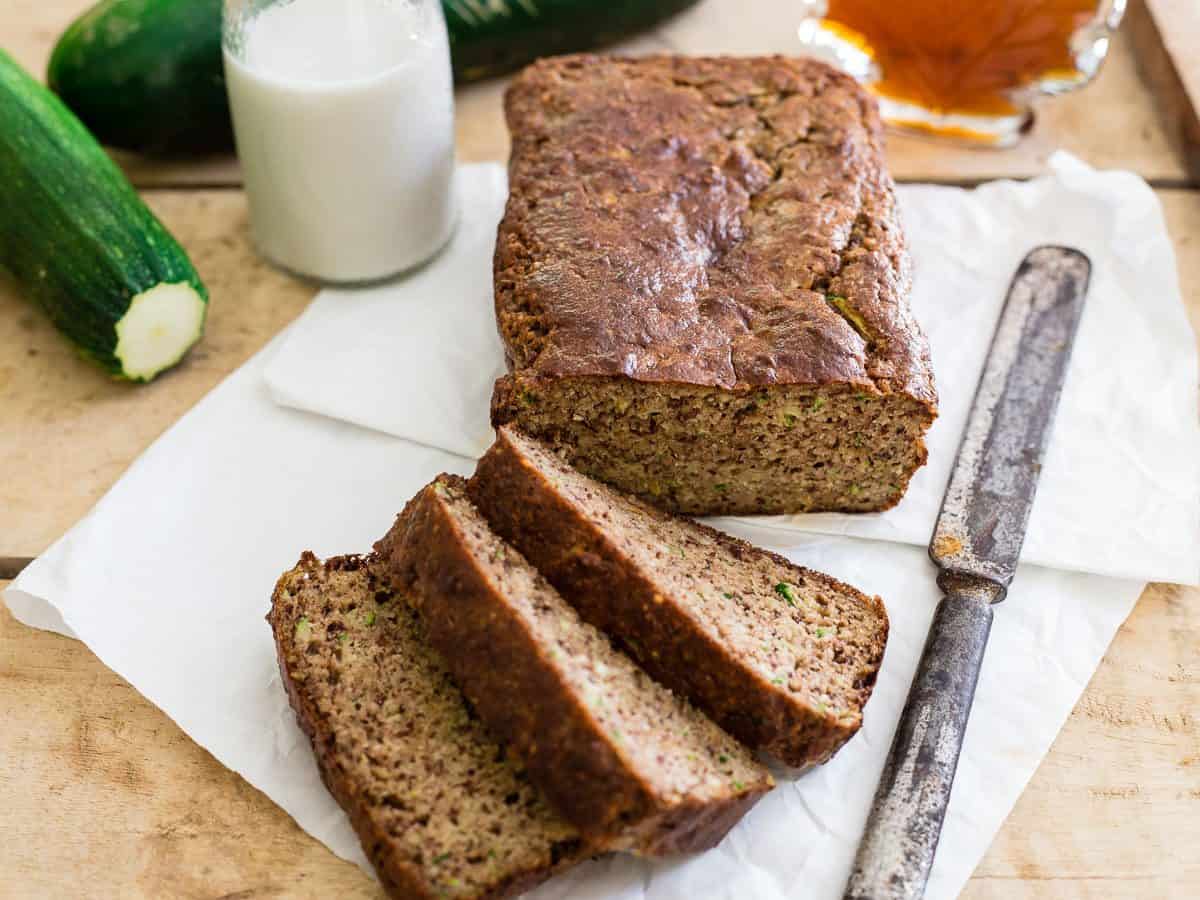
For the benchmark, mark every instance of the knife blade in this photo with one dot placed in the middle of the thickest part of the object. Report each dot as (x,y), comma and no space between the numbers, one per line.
(976,544)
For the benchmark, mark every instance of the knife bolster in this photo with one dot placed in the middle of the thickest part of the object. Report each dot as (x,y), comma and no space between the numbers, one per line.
(957,585)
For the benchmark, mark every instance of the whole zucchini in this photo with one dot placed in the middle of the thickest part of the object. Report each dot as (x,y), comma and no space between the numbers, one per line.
(147,75)
(77,239)
(491,37)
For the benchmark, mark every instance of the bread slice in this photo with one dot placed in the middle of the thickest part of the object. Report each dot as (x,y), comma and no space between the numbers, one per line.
(782,657)
(440,810)
(623,759)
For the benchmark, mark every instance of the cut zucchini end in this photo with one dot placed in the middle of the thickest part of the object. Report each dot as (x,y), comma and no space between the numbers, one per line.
(159,327)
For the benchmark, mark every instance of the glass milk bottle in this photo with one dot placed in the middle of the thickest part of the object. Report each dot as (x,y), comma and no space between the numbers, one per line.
(343,112)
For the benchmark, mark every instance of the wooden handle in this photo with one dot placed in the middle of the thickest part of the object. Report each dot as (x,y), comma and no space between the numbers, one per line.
(902,832)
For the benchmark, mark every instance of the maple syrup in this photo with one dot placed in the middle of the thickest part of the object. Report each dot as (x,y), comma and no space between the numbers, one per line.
(966,68)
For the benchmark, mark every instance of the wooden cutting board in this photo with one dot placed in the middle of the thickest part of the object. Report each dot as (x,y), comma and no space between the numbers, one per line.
(101,795)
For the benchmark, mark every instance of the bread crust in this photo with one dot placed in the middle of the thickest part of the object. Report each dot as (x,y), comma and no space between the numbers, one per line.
(688,219)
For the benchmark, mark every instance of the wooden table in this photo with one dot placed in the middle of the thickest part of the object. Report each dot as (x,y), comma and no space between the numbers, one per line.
(102,795)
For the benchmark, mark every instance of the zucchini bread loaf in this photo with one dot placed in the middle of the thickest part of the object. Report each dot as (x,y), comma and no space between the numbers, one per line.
(702,284)
(631,765)
(782,657)
(439,808)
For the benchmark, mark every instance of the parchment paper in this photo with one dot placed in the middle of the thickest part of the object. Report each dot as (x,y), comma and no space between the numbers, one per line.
(1120,492)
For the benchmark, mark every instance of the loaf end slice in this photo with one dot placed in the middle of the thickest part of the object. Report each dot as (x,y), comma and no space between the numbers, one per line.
(630,764)
(441,811)
(782,657)
(710,451)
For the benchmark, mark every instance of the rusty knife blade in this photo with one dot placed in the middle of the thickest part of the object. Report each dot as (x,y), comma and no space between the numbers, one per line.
(976,543)
(981,525)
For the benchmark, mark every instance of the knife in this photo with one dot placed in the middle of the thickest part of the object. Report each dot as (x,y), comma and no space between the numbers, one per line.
(976,543)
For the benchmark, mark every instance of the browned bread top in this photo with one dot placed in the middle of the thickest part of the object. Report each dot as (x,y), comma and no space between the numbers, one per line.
(440,810)
(783,657)
(631,765)
(713,221)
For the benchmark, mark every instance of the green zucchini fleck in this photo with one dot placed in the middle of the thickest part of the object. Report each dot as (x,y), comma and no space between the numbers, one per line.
(852,316)
(787,592)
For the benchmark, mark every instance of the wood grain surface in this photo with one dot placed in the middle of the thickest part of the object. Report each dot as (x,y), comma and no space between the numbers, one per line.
(101,795)
(1164,35)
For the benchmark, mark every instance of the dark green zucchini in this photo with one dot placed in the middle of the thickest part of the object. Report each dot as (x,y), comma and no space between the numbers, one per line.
(78,240)
(491,37)
(147,75)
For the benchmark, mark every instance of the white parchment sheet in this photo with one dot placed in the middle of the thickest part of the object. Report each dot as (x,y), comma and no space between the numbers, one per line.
(1120,492)
(169,577)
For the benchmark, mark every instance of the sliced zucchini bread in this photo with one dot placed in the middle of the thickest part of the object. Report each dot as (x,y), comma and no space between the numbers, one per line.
(439,807)
(782,657)
(630,764)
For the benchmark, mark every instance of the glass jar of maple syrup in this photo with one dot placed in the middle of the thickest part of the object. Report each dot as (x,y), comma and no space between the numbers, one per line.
(966,69)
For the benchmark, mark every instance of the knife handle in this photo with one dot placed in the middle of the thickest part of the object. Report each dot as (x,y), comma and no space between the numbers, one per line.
(902,832)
